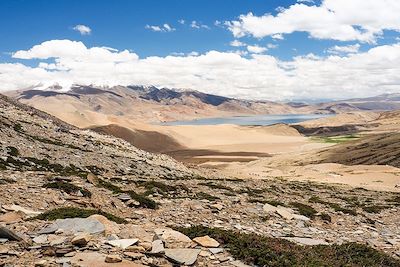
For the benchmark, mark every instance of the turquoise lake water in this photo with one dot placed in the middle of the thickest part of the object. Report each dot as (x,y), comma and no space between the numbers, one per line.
(251,120)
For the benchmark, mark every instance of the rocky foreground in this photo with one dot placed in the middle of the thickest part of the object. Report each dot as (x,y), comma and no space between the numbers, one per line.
(77,198)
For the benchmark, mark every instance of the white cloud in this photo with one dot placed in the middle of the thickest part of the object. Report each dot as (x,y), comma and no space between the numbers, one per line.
(163,28)
(256,49)
(272,46)
(181,21)
(197,25)
(226,73)
(343,20)
(82,29)
(237,43)
(344,49)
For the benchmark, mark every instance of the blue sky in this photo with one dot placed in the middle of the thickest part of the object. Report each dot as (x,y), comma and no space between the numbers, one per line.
(122,25)
(264,49)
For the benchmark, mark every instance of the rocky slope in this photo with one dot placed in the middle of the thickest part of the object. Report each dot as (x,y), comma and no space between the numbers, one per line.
(377,149)
(71,197)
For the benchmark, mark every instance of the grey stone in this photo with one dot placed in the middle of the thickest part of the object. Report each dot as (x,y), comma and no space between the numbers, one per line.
(41,239)
(75,225)
(157,247)
(216,250)
(186,256)
(124,197)
(8,234)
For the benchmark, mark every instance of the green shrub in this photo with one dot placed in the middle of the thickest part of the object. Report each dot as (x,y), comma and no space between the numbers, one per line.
(304,209)
(12,151)
(325,217)
(144,201)
(338,208)
(265,251)
(72,212)
(203,195)
(18,127)
(374,208)
(68,188)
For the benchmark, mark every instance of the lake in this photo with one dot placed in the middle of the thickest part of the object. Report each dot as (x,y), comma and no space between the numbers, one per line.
(251,120)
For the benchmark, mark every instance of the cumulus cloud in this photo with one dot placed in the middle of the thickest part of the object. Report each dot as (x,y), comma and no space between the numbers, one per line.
(256,49)
(343,20)
(162,28)
(344,49)
(259,76)
(82,29)
(197,25)
(237,43)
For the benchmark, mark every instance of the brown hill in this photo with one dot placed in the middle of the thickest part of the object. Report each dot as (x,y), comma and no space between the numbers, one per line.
(151,141)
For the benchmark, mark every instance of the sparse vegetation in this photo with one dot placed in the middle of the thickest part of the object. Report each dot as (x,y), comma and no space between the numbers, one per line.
(203,195)
(18,127)
(304,209)
(72,212)
(339,208)
(375,208)
(264,251)
(217,186)
(336,139)
(12,151)
(144,201)
(272,202)
(68,188)
(325,217)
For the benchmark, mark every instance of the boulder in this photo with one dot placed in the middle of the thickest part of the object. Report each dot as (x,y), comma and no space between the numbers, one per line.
(81,239)
(110,226)
(113,259)
(172,238)
(185,256)
(8,234)
(75,225)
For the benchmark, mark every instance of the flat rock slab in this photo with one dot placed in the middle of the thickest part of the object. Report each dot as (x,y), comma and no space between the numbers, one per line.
(307,241)
(91,259)
(185,256)
(11,217)
(17,208)
(123,243)
(206,241)
(75,225)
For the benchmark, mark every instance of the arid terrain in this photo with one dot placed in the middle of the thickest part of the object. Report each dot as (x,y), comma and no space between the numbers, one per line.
(280,195)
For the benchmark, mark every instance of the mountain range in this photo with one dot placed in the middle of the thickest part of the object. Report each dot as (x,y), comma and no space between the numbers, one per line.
(151,104)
